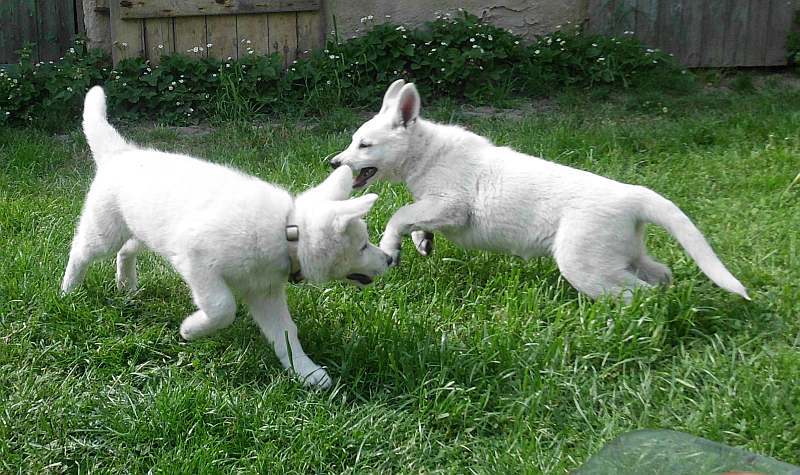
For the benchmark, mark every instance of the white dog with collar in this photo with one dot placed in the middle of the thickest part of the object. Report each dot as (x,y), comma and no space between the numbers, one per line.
(223,231)
(483,196)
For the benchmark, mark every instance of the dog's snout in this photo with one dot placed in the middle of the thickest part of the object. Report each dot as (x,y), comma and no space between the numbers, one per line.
(335,162)
(389,260)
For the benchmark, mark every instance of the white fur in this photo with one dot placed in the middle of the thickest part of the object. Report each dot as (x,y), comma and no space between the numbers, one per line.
(487,197)
(222,230)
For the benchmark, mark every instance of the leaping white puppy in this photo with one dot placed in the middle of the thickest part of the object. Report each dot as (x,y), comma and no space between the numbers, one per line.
(483,196)
(223,231)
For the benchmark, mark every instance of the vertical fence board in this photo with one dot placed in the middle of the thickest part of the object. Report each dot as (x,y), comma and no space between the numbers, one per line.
(692,50)
(757,33)
(55,27)
(645,26)
(780,23)
(283,35)
(255,30)
(191,38)
(736,34)
(158,38)
(21,29)
(715,15)
(221,32)
(309,32)
(127,36)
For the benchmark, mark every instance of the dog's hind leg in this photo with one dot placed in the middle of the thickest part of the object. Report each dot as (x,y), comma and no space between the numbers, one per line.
(596,258)
(101,231)
(643,265)
(271,313)
(423,242)
(213,297)
(127,279)
(651,271)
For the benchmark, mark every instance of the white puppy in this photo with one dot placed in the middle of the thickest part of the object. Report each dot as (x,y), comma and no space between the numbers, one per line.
(223,231)
(487,197)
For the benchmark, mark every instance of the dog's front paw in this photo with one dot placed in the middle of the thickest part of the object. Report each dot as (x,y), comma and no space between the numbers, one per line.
(423,242)
(393,252)
(311,374)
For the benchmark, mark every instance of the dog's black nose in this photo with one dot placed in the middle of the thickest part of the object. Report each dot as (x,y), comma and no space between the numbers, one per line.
(389,260)
(335,163)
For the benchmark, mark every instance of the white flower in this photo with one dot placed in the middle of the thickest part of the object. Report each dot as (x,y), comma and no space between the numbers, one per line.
(72,50)
(472,40)
(170,88)
(69,89)
(490,38)
(516,42)
(594,44)
(601,59)
(475,46)
(124,84)
(333,56)
(124,45)
(178,103)
(442,69)
(536,52)
(160,46)
(180,81)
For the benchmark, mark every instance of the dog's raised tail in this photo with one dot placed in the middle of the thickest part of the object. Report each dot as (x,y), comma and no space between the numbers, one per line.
(663,212)
(103,139)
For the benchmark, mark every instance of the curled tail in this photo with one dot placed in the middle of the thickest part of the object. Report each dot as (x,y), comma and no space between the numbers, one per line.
(103,139)
(661,211)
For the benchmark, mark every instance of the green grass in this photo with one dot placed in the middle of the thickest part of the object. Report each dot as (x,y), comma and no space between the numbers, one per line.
(461,362)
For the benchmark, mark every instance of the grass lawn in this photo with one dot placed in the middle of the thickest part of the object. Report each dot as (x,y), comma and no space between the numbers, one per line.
(462,362)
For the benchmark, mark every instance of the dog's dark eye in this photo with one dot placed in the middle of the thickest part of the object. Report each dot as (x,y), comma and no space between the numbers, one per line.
(363,144)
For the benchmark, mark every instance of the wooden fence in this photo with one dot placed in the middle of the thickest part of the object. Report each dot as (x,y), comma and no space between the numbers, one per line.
(50,25)
(216,28)
(702,33)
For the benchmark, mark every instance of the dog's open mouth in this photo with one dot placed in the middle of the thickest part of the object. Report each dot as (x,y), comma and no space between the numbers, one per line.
(363,176)
(360,278)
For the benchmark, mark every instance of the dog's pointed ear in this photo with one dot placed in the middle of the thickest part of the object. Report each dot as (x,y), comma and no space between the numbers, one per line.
(391,95)
(337,186)
(408,105)
(353,209)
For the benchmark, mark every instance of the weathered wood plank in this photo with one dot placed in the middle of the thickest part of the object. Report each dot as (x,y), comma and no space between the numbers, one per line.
(735,43)
(283,35)
(80,17)
(52,35)
(252,34)
(174,8)
(20,28)
(646,26)
(599,12)
(127,36)
(672,30)
(780,23)
(159,39)
(757,33)
(221,33)
(715,16)
(693,38)
(190,36)
(309,32)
